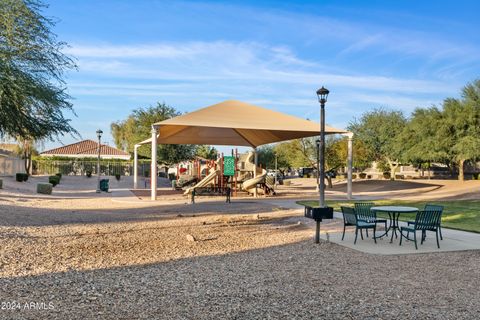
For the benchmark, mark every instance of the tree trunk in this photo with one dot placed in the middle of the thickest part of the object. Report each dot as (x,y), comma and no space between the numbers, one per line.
(461,176)
(393,168)
(27,157)
(329,180)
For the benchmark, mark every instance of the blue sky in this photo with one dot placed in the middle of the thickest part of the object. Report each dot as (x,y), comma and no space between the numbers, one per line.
(392,54)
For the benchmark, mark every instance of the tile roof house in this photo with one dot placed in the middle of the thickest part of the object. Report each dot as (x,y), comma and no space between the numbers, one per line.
(8,149)
(86,149)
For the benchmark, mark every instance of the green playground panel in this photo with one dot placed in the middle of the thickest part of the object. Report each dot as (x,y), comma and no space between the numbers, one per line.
(228,166)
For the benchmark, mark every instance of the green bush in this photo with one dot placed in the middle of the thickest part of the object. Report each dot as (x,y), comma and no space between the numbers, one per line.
(21,177)
(59,175)
(362,175)
(44,188)
(117,176)
(399,176)
(386,175)
(354,176)
(89,174)
(54,180)
(475,176)
(1,183)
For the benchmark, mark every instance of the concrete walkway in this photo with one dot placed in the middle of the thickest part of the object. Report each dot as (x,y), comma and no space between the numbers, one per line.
(453,240)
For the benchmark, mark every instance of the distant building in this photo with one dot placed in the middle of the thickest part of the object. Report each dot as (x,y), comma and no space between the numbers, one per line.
(10,163)
(86,149)
(8,149)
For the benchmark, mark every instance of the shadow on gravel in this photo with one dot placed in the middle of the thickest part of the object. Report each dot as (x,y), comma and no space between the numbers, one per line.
(384,186)
(12,215)
(300,280)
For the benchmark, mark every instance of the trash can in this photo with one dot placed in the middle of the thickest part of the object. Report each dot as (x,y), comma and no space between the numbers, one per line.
(104,185)
(174,184)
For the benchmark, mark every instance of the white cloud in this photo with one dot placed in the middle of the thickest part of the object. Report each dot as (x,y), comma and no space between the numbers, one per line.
(222,62)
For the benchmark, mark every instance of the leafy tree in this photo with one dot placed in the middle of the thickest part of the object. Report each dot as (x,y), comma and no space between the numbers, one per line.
(459,131)
(207,152)
(266,157)
(420,141)
(297,153)
(378,130)
(137,127)
(32,90)
(26,149)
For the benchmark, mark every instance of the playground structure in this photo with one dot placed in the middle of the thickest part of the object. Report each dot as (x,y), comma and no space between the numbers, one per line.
(238,173)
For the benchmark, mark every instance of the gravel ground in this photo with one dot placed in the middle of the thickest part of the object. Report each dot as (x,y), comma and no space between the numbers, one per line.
(99,259)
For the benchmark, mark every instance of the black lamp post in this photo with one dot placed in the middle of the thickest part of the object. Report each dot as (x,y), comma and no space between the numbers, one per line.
(99,136)
(317,143)
(322,94)
(322,211)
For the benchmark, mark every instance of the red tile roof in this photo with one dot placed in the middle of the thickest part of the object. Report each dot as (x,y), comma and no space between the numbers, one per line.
(85,147)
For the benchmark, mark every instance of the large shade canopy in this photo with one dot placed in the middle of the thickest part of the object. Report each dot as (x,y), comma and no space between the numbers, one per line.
(235,123)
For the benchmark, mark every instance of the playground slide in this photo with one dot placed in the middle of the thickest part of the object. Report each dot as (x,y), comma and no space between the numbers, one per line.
(249,185)
(205,181)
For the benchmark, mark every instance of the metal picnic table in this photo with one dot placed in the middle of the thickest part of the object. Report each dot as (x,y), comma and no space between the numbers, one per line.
(394,213)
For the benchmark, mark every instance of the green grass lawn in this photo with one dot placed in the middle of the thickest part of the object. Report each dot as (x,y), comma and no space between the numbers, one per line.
(460,214)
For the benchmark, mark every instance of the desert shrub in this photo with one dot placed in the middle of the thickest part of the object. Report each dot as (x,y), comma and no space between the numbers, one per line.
(54,180)
(21,177)
(88,173)
(354,176)
(386,175)
(362,175)
(369,176)
(44,188)
(409,177)
(117,176)
(399,176)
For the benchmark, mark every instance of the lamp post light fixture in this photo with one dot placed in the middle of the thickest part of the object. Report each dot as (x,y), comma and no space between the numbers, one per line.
(322,211)
(322,94)
(99,136)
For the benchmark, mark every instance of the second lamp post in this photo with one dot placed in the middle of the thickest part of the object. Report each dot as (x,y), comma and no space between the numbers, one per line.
(99,136)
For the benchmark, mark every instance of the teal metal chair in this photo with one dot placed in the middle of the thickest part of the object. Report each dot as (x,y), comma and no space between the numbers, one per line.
(432,207)
(424,221)
(364,212)
(350,218)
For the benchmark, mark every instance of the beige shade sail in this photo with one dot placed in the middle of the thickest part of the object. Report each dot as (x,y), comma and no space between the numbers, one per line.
(236,123)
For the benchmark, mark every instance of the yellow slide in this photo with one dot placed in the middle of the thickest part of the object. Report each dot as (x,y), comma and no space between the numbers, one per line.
(209,179)
(249,185)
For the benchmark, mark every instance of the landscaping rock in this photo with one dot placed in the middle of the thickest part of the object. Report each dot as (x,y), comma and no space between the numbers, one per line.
(191,238)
